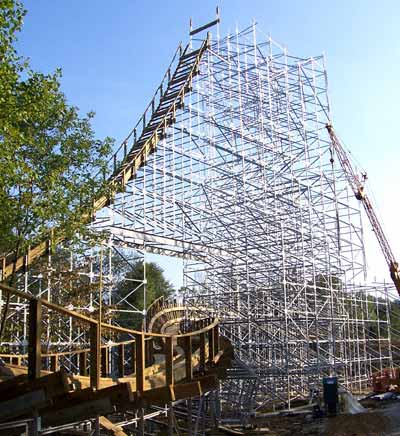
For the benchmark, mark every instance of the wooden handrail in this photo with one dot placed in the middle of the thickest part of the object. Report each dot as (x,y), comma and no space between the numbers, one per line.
(210,331)
(84,318)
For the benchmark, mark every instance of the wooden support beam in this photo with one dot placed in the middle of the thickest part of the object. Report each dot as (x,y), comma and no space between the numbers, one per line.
(187,390)
(133,357)
(12,383)
(77,412)
(86,404)
(187,347)
(94,356)
(202,366)
(82,357)
(34,350)
(23,404)
(169,361)
(211,349)
(140,362)
(216,339)
(53,384)
(54,363)
(104,362)
(149,351)
(118,394)
(121,360)
(108,425)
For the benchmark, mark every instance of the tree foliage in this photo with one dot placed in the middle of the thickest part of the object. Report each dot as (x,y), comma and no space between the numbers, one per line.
(51,165)
(132,288)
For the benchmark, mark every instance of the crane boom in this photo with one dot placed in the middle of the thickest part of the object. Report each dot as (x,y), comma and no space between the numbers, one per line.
(358,188)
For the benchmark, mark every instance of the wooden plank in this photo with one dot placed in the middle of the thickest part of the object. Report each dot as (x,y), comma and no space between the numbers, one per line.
(211,350)
(77,412)
(87,403)
(202,353)
(187,390)
(94,356)
(14,370)
(140,362)
(12,382)
(133,357)
(215,331)
(157,397)
(108,425)
(34,350)
(149,351)
(53,384)
(54,363)
(188,357)
(169,364)
(208,383)
(121,360)
(104,362)
(22,404)
(82,357)
(118,395)
(204,27)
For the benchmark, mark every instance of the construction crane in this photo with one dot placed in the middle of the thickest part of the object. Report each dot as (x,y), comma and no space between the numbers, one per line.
(358,188)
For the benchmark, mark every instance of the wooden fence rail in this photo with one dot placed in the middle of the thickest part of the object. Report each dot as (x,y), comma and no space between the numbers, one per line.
(98,356)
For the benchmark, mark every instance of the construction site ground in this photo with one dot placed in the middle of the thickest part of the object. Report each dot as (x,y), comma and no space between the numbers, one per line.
(382,418)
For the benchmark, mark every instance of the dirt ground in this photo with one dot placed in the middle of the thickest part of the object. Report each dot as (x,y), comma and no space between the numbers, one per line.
(381,419)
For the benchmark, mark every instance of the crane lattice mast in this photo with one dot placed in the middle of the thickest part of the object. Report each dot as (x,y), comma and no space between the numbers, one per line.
(358,188)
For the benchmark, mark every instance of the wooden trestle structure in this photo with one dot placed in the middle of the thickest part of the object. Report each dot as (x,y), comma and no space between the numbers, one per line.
(163,368)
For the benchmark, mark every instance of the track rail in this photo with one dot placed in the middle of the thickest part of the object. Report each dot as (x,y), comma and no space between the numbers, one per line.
(191,363)
(128,159)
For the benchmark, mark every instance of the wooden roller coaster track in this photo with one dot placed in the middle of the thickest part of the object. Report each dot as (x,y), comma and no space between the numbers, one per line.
(127,160)
(191,365)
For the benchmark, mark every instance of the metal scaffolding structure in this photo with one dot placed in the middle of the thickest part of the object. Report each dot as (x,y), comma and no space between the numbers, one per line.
(245,188)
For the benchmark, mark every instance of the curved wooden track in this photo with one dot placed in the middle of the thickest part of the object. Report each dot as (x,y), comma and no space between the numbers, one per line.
(187,365)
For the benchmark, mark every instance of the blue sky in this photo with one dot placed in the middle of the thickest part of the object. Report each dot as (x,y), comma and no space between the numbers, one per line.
(113,55)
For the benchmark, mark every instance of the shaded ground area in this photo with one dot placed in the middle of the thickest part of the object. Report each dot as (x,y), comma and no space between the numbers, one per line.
(381,419)
(361,424)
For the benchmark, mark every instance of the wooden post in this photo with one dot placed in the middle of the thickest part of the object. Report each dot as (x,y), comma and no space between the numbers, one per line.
(133,353)
(74,362)
(140,366)
(34,351)
(83,363)
(54,363)
(202,353)
(140,362)
(188,358)
(148,351)
(169,364)
(94,356)
(169,378)
(121,360)
(216,339)
(104,362)
(211,350)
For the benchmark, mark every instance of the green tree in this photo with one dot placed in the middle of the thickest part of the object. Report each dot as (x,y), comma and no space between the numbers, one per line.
(51,164)
(132,289)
